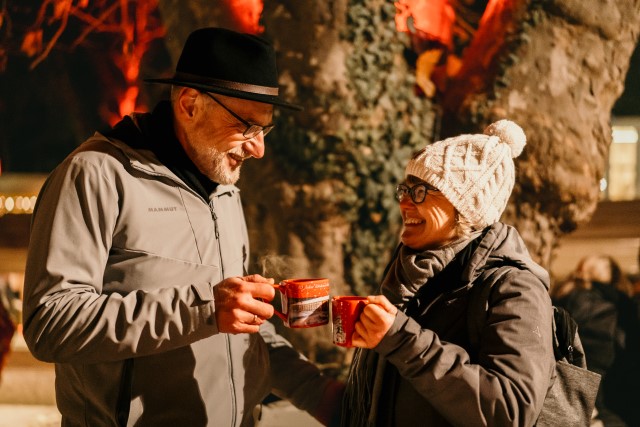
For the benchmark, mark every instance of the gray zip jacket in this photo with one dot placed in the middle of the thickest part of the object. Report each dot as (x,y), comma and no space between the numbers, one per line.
(119,294)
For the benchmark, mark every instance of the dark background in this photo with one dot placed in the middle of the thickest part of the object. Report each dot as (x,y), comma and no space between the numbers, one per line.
(45,113)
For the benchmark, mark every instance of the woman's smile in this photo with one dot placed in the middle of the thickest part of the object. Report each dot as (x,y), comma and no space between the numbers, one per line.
(429,224)
(413,221)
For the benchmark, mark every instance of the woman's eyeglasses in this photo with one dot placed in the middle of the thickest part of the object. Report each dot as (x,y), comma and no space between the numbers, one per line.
(417,193)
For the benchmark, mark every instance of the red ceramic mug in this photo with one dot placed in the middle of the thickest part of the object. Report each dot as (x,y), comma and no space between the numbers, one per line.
(305,302)
(345,312)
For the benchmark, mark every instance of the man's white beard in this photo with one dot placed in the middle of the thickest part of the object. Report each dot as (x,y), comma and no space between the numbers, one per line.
(221,172)
(213,163)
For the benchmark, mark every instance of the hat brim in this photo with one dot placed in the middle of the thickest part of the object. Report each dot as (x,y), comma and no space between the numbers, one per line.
(268,99)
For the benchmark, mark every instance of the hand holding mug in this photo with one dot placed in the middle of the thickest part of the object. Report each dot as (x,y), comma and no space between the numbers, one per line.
(238,303)
(375,321)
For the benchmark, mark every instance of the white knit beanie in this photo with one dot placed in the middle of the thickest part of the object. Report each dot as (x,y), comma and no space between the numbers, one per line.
(475,172)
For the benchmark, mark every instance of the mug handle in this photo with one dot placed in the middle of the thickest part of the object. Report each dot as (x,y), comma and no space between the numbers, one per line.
(281,315)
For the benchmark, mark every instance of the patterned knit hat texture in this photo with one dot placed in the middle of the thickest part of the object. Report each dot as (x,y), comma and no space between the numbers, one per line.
(474,172)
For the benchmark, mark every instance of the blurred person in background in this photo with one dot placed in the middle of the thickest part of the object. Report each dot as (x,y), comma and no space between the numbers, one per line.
(598,296)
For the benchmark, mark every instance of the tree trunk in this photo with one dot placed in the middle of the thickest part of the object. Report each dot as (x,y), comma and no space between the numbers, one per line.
(321,201)
(556,67)
(320,204)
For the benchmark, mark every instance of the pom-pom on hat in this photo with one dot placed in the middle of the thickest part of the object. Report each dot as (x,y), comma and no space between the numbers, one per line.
(474,172)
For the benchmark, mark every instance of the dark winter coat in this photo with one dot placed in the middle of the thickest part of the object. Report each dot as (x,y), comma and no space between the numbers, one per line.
(608,327)
(433,378)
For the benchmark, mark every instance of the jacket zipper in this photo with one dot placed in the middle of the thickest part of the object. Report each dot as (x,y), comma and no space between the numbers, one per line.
(435,300)
(215,221)
(234,406)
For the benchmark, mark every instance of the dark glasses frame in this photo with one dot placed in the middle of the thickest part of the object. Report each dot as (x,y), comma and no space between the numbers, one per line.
(417,192)
(252,130)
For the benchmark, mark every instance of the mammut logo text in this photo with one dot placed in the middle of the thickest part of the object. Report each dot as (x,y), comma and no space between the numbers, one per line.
(165,209)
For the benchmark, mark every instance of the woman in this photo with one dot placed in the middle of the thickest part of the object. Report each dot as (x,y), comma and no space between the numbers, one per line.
(416,365)
(598,296)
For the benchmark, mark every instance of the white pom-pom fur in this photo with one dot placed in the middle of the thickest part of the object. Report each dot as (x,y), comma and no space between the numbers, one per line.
(509,133)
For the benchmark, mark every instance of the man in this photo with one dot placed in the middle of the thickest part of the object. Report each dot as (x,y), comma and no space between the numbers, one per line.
(137,284)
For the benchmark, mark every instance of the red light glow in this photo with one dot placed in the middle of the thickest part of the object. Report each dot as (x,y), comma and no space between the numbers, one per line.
(432,18)
(128,101)
(245,15)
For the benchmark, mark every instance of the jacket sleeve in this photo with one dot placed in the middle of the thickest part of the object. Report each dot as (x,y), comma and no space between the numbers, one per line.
(67,316)
(515,359)
(295,378)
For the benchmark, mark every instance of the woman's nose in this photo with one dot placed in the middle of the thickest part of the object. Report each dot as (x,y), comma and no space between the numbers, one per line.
(406,201)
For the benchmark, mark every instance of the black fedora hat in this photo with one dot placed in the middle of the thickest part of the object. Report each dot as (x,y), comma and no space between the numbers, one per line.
(229,63)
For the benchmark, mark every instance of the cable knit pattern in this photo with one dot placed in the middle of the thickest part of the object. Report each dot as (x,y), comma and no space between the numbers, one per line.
(475,172)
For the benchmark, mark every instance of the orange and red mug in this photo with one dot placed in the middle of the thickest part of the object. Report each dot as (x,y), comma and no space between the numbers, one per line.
(305,302)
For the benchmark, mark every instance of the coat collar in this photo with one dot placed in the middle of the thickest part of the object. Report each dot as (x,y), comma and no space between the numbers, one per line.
(153,132)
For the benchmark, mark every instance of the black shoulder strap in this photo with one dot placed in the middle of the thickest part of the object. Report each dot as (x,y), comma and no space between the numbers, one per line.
(564,332)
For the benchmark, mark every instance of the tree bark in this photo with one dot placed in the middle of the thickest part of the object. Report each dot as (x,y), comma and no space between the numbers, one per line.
(321,201)
(556,68)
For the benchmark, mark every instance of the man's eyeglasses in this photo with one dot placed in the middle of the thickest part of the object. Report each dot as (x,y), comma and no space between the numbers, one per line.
(417,193)
(252,130)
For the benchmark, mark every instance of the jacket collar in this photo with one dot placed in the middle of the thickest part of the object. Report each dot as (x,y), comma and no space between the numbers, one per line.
(154,132)
(501,244)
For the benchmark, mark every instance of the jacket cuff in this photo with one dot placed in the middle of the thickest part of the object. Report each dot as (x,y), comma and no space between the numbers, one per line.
(388,342)
(203,291)
(204,302)
(403,329)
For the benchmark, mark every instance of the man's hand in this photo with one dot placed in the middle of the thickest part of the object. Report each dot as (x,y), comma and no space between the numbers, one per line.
(375,321)
(238,304)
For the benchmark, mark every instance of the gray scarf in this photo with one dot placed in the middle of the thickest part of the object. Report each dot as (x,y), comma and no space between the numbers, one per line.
(406,274)
(411,269)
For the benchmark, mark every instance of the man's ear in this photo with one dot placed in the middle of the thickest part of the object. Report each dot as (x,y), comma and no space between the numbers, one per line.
(186,104)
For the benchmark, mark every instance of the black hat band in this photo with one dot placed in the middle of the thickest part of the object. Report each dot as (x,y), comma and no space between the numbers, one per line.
(225,84)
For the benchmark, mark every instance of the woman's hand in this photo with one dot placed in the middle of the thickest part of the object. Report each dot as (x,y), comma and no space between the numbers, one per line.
(375,321)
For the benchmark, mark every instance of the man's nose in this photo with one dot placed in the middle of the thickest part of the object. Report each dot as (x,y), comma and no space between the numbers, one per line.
(255,146)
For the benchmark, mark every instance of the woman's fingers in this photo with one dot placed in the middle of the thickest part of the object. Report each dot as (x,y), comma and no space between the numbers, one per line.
(375,321)
(382,301)
(357,340)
